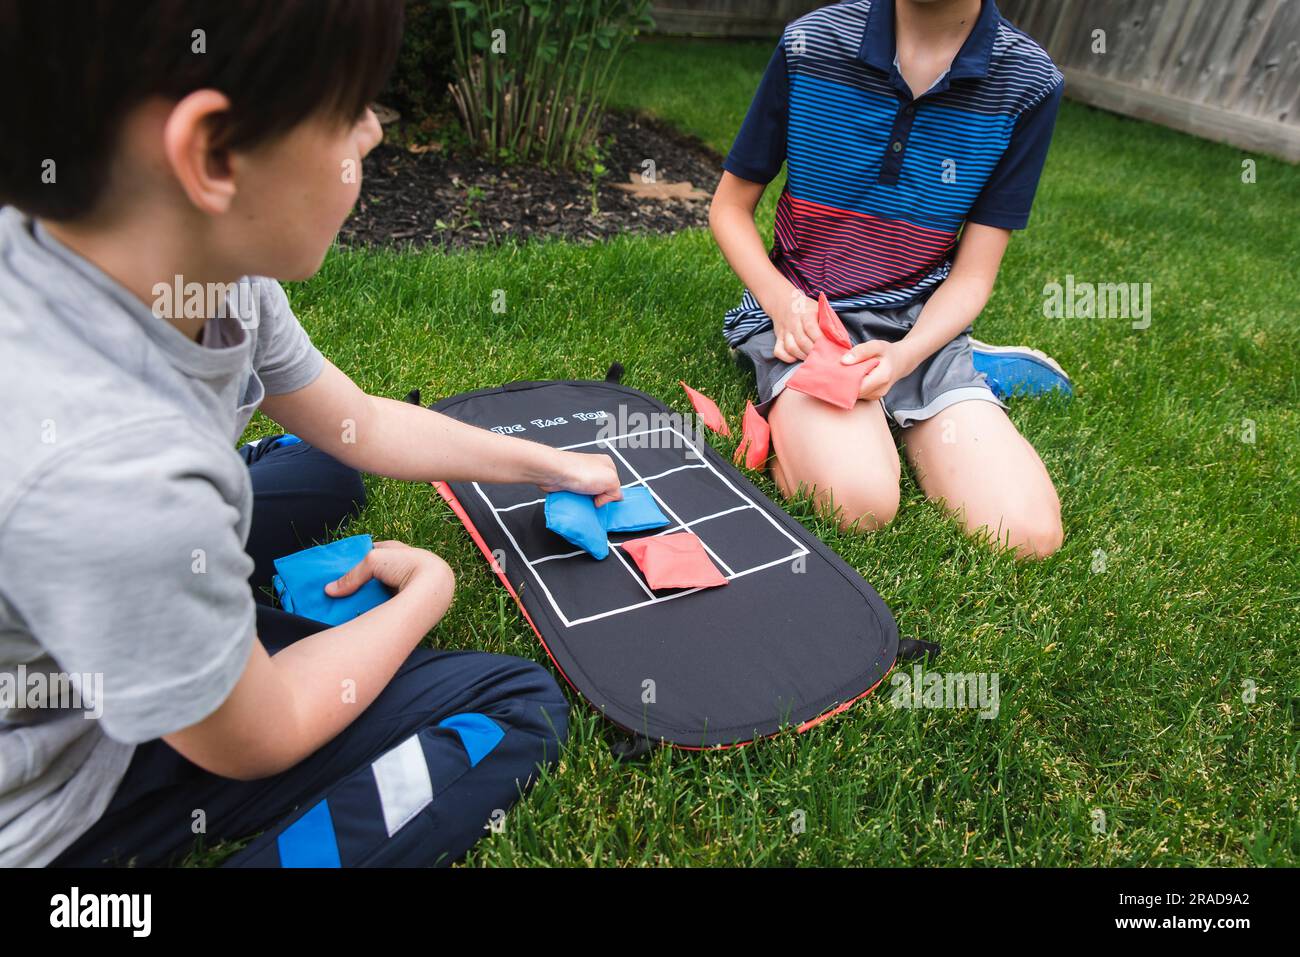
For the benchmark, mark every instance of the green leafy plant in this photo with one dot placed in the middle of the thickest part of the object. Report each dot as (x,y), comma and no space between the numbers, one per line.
(474,196)
(590,164)
(532,76)
(418,85)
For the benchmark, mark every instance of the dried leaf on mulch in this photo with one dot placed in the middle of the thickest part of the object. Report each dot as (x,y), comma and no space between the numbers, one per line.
(660,189)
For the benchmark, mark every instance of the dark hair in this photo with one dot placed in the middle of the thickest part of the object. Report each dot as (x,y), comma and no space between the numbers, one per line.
(72,69)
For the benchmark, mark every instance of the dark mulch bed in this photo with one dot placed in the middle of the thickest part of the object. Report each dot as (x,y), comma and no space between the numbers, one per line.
(435,199)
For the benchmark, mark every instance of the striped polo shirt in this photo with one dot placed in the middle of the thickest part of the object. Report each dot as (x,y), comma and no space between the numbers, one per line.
(879,183)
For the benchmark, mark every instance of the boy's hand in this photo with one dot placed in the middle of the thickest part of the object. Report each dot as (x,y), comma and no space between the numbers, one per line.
(586,474)
(795,327)
(883,365)
(394,564)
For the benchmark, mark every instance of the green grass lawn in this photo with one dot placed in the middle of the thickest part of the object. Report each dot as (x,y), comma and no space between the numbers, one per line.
(1122,660)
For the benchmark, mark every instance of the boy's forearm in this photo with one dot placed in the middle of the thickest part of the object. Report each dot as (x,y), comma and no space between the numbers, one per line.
(403,441)
(742,246)
(332,676)
(961,297)
(950,309)
(312,689)
(415,444)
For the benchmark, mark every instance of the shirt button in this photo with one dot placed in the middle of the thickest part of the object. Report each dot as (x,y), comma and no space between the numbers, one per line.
(908,108)
(897,145)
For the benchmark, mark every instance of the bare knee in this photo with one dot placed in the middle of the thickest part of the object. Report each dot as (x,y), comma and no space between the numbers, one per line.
(866,505)
(862,503)
(1035,533)
(446,577)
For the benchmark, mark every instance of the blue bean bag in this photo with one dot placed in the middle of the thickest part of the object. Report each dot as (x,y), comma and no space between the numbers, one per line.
(636,512)
(576,519)
(301,578)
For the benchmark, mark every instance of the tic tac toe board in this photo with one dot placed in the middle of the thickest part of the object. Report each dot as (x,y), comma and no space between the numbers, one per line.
(794,635)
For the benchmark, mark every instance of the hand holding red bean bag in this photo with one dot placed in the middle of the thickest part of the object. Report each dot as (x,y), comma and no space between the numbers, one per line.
(822,375)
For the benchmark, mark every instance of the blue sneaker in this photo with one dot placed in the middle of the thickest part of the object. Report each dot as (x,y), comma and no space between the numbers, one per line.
(1019,370)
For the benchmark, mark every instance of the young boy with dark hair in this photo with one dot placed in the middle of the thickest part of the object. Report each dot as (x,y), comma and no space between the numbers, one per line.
(219,143)
(913,134)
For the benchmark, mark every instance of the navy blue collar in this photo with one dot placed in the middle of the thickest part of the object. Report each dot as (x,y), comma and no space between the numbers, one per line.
(972,60)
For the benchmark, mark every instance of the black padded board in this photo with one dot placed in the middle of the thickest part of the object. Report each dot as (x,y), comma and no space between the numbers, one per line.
(794,635)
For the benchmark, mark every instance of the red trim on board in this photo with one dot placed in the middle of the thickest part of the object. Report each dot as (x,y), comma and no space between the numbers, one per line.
(813,722)
(450,498)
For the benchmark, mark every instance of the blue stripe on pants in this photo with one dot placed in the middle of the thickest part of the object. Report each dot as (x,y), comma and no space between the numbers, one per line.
(479,733)
(310,841)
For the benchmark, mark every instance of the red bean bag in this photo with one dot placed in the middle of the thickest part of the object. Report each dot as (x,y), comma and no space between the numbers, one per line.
(823,375)
(674,561)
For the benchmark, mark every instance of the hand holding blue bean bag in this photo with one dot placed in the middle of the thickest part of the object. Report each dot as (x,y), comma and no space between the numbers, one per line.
(573,517)
(637,511)
(301,578)
(576,518)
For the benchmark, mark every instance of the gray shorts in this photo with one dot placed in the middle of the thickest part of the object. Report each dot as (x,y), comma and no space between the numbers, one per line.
(944,379)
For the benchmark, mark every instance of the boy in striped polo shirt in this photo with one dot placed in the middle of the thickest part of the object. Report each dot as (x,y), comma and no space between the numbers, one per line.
(913,133)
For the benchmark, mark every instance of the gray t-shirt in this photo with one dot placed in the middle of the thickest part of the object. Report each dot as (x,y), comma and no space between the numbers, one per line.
(124,510)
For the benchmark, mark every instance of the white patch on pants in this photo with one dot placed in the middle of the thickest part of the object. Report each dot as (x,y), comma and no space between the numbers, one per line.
(405,789)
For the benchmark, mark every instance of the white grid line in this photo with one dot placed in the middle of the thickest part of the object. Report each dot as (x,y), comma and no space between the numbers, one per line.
(551,558)
(723,479)
(648,478)
(511,508)
(522,557)
(656,599)
(800,550)
(619,555)
(651,478)
(627,435)
(703,518)
(676,518)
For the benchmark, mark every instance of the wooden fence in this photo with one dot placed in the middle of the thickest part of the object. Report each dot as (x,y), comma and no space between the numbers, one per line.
(1228,70)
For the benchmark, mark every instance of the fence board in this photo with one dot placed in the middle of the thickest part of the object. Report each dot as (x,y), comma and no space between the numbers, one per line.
(1224,69)
(1271,84)
(1227,70)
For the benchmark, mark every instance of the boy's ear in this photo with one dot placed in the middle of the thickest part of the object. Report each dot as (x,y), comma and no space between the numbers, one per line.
(203,171)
